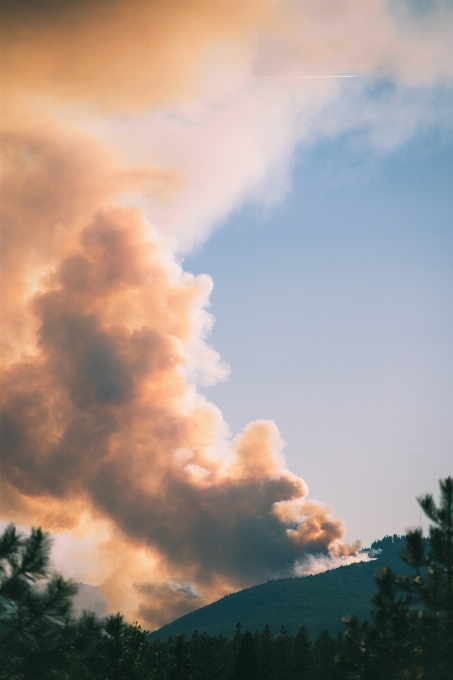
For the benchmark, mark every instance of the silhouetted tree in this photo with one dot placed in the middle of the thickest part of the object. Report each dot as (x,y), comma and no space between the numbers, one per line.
(411,632)
(35,609)
(246,663)
(284,653)
(304,657)
(39,637)
(267,654)
(180,659)
(326,649)
(121,652)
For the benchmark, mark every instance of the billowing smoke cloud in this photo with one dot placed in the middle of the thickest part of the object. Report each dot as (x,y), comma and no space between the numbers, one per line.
(104,334)
(102,411)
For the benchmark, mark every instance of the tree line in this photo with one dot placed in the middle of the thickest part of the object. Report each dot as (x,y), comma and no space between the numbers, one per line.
(409,634)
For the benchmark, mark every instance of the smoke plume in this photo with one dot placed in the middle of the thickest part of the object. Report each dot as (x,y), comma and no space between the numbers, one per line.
(100,415)
(104,336)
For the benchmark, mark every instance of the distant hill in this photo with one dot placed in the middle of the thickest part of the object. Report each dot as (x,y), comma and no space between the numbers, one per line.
(317,602)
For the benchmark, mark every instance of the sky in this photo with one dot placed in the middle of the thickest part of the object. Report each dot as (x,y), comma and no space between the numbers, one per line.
(343,297)
(227,285)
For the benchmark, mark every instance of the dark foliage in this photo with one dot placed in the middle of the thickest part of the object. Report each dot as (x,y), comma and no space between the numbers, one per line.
(39,637)
(409,634)
(30,615)
(411,631)
(318,602)
(41,640)
(260,656)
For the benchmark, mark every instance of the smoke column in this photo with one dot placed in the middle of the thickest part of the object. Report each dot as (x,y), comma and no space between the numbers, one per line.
(104,336)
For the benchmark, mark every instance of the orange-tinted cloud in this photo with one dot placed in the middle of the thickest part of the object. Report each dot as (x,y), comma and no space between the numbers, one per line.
(98,413)
(102,427)
(127,55)
(118,54)
(51,178)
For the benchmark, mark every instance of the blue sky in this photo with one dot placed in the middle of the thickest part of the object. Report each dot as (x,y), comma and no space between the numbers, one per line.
(334,311)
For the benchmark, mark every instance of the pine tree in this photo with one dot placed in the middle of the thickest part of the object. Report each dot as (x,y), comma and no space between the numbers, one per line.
(34,609)
(246,663)
(267,654)
(304,657)
(325,649)
(121,652)
(284,653)
(411,632)
(180,668)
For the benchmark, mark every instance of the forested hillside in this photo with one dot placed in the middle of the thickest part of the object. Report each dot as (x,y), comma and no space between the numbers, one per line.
(317,602)
(408,633)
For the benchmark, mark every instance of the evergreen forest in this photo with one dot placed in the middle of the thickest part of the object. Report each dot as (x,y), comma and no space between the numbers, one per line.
(320,602)
(407,634)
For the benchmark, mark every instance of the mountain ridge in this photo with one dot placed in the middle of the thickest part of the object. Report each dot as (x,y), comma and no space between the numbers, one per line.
(318,602)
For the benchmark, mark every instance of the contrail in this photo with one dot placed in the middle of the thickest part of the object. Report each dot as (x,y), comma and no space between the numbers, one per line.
(304,77)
